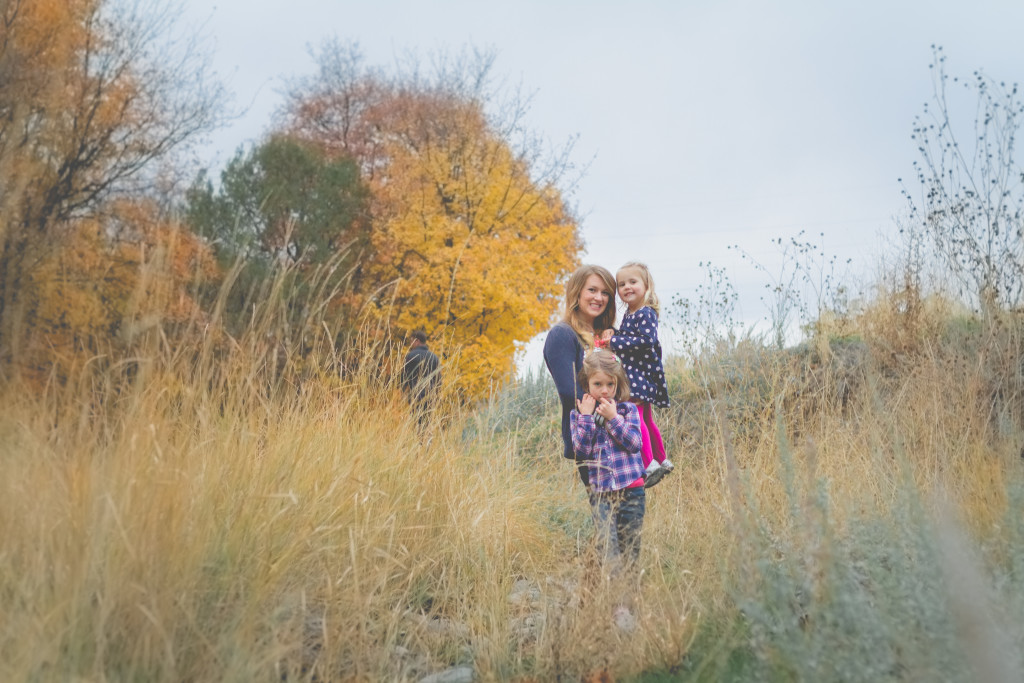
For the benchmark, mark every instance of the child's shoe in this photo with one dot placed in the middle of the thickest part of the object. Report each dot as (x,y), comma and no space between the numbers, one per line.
(667,464)
(653,474)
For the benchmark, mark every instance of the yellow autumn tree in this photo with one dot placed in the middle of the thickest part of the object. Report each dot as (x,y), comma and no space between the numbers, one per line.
(93,93)
(472,238)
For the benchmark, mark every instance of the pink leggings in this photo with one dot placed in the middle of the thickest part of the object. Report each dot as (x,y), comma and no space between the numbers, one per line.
(652,448)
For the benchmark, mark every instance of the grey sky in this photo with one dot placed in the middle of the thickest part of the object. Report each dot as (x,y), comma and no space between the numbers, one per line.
(705,124)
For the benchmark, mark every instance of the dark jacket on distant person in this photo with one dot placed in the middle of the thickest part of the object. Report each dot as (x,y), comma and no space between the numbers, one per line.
(420,374)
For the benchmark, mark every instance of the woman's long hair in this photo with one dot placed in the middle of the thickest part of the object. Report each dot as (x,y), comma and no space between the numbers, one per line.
(573,289)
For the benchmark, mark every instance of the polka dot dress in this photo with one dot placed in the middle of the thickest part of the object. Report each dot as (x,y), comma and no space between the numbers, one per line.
(637,346)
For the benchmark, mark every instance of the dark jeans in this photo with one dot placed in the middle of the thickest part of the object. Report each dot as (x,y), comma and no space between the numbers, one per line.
(618,521)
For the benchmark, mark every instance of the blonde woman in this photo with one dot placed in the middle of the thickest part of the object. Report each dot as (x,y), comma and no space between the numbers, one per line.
(588,312)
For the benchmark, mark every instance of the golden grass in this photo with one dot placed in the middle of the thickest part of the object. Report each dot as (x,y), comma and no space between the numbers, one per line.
(189,528)
(208,537)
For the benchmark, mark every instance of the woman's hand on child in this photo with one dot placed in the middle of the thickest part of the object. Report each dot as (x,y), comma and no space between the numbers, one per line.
(586,405)
(606,409)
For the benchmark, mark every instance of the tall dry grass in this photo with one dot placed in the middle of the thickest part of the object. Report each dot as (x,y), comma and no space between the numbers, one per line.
(207,516)
(843,498)
(201,514)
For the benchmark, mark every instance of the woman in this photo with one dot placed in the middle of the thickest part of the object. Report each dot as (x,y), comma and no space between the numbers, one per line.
(588,312)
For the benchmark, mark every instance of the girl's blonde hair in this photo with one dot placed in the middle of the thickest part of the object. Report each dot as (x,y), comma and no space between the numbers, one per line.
(603,360)
(650,298)
(573,289)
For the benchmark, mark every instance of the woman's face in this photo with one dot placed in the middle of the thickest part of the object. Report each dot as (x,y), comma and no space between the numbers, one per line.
(594,298)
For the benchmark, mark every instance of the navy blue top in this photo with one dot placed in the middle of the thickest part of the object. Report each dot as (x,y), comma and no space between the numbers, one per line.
(637,346)
(420,374)
(563,354)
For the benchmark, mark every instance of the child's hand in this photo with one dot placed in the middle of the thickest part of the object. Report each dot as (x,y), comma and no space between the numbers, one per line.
(607,335)
(586,405)
(607,409)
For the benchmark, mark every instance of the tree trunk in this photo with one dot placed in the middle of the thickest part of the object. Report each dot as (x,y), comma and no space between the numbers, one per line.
(12,310)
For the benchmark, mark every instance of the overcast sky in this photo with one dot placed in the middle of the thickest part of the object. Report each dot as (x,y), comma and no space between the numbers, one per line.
(704,124)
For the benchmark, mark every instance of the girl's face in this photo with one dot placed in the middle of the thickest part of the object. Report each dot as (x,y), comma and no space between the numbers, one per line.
(601,385)
(594,298)
(631,288)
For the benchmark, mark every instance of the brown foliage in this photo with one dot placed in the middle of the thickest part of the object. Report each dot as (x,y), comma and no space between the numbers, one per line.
(88,102)
(98,296)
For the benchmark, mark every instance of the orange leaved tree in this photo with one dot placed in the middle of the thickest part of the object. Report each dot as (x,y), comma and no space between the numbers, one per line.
(471,234)
(92,94)
(115,282)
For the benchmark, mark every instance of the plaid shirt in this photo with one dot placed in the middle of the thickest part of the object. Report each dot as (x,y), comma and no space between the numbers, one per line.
(612,452)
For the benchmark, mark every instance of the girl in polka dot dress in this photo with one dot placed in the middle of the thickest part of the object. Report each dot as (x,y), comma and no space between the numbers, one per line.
(637,346)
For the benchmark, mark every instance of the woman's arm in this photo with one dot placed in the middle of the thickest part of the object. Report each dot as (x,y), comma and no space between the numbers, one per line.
(560,351)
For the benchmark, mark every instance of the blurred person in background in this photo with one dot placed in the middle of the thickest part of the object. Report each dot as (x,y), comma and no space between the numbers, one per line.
(421,376)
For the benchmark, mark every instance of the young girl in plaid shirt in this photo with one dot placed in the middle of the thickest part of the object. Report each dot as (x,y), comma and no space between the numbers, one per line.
(605,431)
